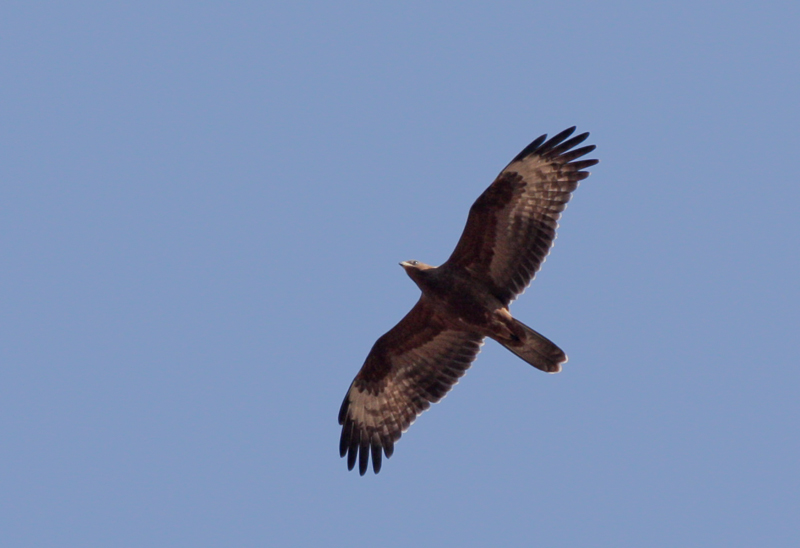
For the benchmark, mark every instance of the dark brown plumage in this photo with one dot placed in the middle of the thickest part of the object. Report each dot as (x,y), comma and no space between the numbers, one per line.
(509,232)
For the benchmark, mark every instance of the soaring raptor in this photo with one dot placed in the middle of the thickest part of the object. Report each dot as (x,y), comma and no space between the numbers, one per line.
(509,232)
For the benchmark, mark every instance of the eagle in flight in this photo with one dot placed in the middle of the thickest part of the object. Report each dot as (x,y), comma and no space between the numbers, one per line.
(509,232)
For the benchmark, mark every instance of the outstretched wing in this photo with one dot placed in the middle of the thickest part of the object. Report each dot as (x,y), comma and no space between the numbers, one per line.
(512,225)
(413,365)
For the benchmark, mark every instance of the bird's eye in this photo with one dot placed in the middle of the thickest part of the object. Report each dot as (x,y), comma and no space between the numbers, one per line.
(413,263)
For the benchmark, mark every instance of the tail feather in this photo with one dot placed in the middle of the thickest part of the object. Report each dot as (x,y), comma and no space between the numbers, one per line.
(536,349)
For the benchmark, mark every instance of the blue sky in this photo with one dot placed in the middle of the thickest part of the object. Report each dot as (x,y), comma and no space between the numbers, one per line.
(202,211)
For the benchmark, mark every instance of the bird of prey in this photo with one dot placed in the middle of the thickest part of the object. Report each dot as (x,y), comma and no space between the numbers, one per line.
(509,232)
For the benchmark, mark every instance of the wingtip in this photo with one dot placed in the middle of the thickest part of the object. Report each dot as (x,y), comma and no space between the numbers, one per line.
(363,458)
(555,140)
(531,148)
(542,146)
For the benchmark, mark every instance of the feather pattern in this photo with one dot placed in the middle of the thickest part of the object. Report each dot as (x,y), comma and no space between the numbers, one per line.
(512,225)
(410,367)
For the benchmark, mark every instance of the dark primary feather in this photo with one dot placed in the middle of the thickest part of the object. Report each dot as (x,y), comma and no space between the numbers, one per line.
(413,365)
(512,225)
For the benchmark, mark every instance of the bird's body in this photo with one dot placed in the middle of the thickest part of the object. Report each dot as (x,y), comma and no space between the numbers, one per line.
(449,292)
(509,232)
(464,305)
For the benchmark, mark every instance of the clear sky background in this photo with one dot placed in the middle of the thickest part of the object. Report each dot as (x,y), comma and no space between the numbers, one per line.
(202,208)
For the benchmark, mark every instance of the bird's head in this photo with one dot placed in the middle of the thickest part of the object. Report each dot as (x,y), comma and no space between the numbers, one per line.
(415,265)
(413,268)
